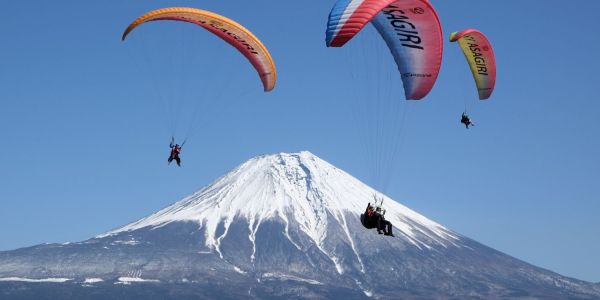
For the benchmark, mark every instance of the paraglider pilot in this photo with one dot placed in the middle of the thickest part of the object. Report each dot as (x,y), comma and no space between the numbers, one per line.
(466,120)
(374,219)
(175,151)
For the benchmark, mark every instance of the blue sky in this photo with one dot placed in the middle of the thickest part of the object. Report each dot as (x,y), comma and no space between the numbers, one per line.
(84,134)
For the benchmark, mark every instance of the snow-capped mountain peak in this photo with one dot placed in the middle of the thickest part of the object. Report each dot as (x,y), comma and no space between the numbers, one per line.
(298,187)
(279,226)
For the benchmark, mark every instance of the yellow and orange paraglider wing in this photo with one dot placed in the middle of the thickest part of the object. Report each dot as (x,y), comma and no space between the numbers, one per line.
(480,56)
(228,30)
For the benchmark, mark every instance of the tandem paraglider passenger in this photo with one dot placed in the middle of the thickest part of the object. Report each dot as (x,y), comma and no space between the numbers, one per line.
(374,218)
(175,151)
(466,120)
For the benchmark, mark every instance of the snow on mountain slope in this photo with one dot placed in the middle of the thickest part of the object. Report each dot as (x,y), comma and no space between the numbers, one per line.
(278,227)
(299,185)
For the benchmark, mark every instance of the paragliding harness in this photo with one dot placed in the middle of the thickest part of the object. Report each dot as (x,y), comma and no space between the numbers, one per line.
(466,120)
(373,217)
(175,150)
(366,218)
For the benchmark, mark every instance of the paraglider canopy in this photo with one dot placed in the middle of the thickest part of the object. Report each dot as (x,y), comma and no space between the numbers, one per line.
(410,28)
(480,56)
(228,30)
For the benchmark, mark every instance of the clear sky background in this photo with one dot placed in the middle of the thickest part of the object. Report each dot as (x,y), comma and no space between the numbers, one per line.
(84,136)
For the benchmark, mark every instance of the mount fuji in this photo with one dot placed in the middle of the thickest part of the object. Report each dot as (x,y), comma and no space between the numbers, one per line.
(282,226)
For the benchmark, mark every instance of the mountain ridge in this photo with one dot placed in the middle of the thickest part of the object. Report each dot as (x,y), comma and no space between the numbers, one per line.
(297,167)
(279,226)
